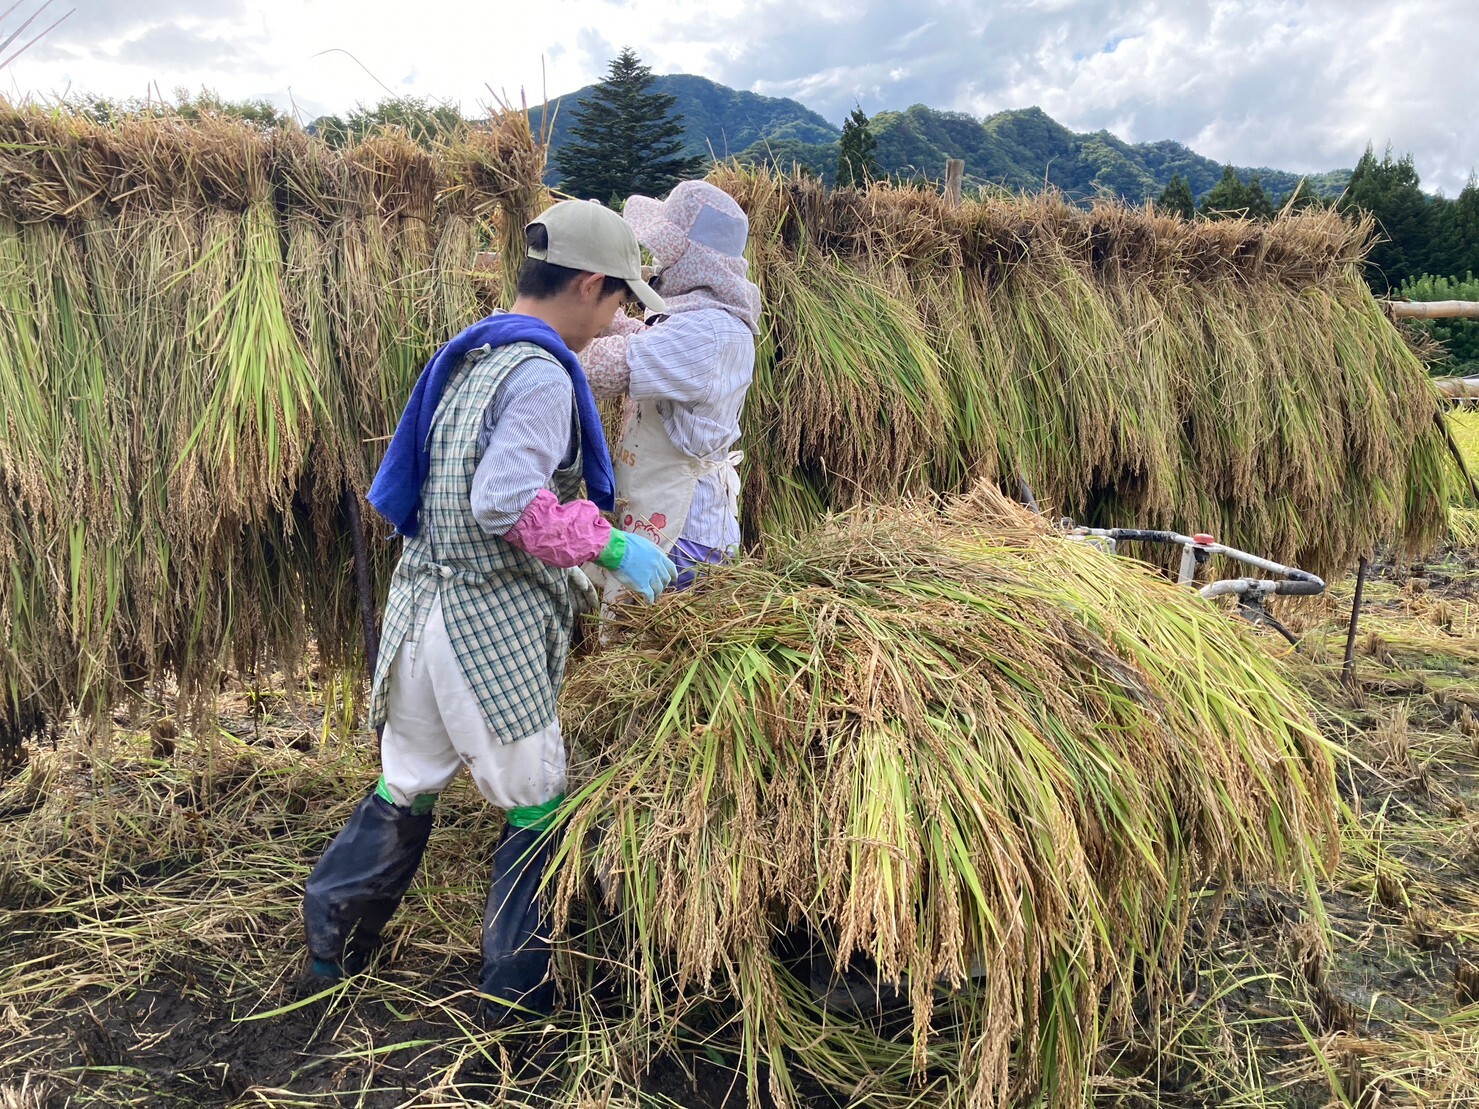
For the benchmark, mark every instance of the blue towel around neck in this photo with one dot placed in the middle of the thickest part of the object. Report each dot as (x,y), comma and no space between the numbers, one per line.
(396,491)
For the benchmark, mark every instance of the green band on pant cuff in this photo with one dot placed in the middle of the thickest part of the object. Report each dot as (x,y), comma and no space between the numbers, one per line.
(420,804)
(535,816)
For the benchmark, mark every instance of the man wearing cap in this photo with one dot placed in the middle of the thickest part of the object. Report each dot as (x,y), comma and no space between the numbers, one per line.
(482,480)
(686,372)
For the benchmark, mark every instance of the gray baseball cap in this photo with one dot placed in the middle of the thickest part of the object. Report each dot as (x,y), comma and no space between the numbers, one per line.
(584,235)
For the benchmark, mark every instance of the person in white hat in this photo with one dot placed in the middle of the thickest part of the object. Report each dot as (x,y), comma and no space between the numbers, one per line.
(685,371)
(483,480)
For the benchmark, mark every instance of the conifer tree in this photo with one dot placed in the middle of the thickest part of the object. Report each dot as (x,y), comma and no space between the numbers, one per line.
(1229,198)
(1176,198)
(857,157)
(625,138)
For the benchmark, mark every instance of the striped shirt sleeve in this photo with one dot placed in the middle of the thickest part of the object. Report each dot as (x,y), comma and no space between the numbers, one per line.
(528,433)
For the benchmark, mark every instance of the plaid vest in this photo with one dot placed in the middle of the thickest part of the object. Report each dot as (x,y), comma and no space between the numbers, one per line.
(509,616)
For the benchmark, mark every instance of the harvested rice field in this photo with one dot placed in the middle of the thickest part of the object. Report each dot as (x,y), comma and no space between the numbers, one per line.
(152,938)
(918,803)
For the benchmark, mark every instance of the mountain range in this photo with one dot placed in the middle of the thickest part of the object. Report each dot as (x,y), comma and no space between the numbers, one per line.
(1021,149)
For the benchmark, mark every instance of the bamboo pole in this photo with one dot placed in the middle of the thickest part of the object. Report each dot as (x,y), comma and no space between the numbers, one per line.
(1459,388)
(1435,309)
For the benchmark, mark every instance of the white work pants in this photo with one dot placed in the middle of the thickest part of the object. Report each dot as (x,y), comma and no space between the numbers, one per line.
(435,726)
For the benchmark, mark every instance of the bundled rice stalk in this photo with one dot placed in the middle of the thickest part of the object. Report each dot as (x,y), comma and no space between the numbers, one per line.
(818,371)
(251,439)
(336,465)
(311,186)
(30,448)
(1097,422)
(83,394)
(47,592)
(496,174)
(194,503)
(382,248)
(146,262)
(95,492)
(309,183)
(62,461)
(945,741)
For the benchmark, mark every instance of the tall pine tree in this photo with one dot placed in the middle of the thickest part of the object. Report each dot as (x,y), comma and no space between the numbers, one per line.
(857,158)
(625,138)
(1176,198)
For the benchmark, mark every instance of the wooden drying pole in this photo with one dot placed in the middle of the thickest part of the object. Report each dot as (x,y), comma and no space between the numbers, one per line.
(1348,670)
(1464,389)
(954,176)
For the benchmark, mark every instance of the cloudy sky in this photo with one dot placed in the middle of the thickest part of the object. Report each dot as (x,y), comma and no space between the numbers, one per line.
(1295,84)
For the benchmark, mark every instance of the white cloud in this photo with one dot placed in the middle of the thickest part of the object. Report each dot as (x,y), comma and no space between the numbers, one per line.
(1295,84)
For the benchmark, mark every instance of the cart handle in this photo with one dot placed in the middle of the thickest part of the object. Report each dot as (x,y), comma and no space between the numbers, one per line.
(1198,548)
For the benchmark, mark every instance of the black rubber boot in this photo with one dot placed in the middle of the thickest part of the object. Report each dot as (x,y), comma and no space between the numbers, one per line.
(359,882)
(516,929)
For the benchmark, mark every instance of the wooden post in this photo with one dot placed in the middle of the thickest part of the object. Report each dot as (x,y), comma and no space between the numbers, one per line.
(954,175)
(1348,671)
(1435,309)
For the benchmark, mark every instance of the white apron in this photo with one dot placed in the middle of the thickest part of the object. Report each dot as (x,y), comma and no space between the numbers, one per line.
(655,482)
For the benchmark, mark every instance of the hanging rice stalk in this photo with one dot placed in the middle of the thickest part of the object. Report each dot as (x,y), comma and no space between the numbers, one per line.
(1134,369)
(884,382)
(251,438)
(30,449)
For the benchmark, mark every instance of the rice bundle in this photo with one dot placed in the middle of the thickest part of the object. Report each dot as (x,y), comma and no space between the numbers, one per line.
(29,449)
(250,439)
(883,383)
(943,739)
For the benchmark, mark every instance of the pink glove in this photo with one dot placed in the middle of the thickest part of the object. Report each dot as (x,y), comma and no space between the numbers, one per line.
(562,535)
